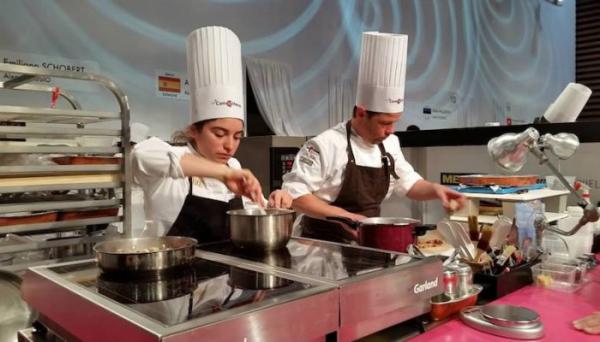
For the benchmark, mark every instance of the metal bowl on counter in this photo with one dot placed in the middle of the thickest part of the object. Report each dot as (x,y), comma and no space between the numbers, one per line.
(261,229)
(251,280)
(144,254)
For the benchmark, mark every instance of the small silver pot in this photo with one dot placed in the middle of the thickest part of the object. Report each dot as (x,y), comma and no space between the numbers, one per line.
(145,254)
(261,229)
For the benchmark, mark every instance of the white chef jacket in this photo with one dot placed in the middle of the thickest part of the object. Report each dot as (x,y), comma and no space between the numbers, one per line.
(157,169)
(320,165)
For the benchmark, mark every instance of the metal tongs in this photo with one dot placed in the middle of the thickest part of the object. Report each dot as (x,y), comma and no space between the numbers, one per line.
(455,234)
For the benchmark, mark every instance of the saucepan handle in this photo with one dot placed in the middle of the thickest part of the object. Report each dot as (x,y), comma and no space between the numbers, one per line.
(420,230)
(351,223)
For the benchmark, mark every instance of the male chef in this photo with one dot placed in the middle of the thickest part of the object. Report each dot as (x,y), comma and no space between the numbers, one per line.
(351,168)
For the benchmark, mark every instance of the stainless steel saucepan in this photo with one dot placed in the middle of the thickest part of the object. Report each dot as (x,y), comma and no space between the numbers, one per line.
(144,254)
(261,229)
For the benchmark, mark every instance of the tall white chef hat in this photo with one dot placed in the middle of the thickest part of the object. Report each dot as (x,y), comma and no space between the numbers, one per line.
(382,72)
(214,59)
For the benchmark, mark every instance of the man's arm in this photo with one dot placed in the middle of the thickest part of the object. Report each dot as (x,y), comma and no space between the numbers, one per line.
(315,207)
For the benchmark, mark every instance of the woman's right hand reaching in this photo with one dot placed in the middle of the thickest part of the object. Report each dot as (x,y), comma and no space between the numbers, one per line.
(243,182)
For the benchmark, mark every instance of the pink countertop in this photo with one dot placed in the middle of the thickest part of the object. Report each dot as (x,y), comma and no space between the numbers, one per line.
(556,309)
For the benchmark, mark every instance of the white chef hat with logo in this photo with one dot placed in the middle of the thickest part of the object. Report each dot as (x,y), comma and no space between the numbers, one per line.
(214,60)
(382,72)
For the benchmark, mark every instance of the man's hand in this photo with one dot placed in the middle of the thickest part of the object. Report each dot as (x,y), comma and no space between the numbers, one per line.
(280,199)
(451,200)
(590,324)
(243,182)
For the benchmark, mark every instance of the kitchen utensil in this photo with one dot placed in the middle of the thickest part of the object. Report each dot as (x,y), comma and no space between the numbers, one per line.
(464,276)
(462,236)
(473,228)
(443,306)
(446,230)
(144,254)
(504,320)
(500,230)
(500,180)
(513,235)
(484,241)
(261,230)
(389,233)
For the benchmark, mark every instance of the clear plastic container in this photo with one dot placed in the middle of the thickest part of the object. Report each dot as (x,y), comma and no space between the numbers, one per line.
(555,276)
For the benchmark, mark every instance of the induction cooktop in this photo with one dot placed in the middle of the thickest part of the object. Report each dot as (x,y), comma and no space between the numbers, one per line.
(324,259)
(199,289)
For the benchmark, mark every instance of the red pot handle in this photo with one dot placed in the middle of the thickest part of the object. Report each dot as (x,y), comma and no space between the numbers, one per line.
(351,223)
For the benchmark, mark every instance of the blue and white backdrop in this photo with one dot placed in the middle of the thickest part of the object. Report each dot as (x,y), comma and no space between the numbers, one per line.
(469,61)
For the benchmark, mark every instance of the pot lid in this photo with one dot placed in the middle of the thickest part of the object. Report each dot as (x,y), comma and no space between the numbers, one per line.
(392,221)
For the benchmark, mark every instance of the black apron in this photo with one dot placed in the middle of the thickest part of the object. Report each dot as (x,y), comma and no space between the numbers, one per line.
(204,219)
(363,189)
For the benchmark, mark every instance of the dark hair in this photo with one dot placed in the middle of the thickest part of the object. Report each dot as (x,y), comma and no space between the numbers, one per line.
(370,114)
(181,138)
(200,124)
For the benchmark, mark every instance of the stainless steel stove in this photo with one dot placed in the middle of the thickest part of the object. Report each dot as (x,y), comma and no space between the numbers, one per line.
(208,300)
(377,288)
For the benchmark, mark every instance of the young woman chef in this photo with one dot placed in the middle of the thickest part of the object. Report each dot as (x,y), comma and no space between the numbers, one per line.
(180,198)
(351,168)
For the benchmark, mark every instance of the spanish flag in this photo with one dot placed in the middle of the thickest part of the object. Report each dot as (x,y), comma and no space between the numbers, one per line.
(169,84)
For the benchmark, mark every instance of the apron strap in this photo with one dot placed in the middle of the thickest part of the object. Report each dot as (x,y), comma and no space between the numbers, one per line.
(190,181)
(349,146)
(385,157)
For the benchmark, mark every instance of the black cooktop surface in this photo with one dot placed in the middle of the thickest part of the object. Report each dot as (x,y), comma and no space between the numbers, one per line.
(201,289)
(318,258)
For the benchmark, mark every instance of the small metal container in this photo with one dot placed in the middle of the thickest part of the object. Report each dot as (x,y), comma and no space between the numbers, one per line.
(465,279)
(261,229)
(450,280)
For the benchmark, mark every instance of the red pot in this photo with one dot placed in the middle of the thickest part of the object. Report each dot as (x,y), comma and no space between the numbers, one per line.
(390,233)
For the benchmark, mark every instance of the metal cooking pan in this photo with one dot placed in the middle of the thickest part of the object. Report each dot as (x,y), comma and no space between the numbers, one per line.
(389,233)
(261,229)
(145,254)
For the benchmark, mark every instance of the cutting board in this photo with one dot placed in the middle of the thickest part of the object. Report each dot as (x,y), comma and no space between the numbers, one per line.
(500,180)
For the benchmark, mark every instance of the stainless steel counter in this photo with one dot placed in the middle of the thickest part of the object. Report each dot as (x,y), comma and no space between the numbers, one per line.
(69,299)
(377,289)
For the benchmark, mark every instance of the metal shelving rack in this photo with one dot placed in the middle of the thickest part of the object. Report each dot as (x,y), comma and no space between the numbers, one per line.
(62,123)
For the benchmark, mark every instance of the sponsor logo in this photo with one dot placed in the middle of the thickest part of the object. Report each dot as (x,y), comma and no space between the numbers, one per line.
(397,101)
(227,103)
(427,285)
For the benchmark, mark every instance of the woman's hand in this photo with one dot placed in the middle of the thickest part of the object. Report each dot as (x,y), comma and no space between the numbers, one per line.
(280,199)
(590,324)
(243,182)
